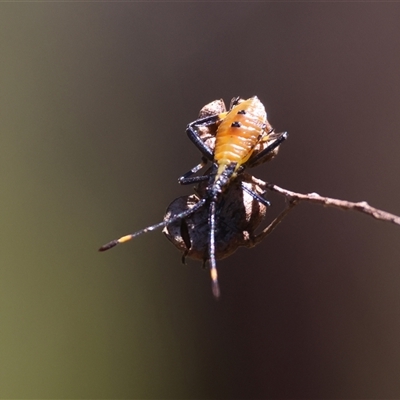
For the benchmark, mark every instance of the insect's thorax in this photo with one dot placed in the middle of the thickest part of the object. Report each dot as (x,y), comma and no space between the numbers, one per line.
(220,178)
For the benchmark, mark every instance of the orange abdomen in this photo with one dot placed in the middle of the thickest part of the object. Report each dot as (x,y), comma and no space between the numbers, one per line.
(239,132)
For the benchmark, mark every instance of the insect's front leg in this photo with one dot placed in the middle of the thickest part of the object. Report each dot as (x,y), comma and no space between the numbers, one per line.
(194,136)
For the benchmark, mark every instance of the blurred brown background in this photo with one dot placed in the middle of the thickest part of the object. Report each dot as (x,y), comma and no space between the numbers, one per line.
(95,99)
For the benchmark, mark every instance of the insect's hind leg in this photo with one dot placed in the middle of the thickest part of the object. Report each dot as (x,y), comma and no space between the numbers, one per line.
(257,159)
(255,196)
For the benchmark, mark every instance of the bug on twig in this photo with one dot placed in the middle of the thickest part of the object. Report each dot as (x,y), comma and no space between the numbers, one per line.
(243,138)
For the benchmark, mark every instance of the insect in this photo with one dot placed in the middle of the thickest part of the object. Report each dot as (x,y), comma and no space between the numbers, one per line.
(204,134)
(243,138)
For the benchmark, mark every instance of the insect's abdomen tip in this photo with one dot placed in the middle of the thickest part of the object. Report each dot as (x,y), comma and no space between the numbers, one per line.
(108,245)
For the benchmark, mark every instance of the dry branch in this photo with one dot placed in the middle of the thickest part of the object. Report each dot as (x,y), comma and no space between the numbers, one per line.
(315,198)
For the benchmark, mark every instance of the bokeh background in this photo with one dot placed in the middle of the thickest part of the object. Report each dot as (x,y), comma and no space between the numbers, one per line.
(94,101)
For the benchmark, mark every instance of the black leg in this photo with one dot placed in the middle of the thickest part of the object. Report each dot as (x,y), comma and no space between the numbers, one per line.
(192,179)
(198,167)
(176,217)
(264,153)
(256,196)
(187,179)
(194,136)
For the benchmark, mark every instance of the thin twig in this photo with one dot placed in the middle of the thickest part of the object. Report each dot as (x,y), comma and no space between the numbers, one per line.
(266,231)
(315,198)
